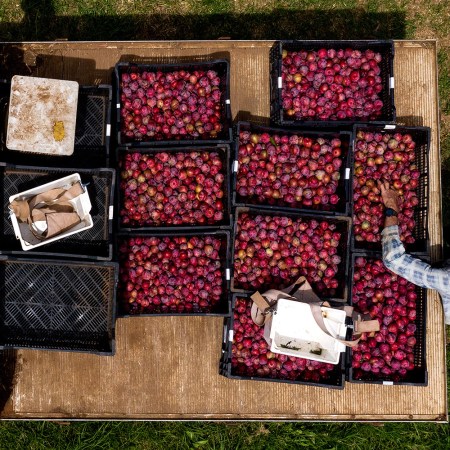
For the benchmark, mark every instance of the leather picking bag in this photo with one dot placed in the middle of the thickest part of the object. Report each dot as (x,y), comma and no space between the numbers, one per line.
(51,208)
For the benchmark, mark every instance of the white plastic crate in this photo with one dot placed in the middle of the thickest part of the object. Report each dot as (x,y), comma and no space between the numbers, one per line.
(82,205)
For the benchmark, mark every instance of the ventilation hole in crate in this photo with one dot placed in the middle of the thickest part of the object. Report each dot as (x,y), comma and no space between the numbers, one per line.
(91,120)
(90,130)
(78,319)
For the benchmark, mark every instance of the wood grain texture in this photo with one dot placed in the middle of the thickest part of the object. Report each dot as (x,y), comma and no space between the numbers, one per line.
(167,367)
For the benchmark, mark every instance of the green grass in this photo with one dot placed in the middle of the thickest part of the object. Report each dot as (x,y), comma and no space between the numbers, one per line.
(196,435)
(444,94)
(238,19)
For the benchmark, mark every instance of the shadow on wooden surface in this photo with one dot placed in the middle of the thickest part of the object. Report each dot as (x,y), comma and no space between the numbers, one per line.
(7,376)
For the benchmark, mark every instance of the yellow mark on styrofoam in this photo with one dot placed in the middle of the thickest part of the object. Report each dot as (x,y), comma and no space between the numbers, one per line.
(58,131)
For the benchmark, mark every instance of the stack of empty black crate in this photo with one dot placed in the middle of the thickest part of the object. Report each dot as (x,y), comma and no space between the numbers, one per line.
(61,296)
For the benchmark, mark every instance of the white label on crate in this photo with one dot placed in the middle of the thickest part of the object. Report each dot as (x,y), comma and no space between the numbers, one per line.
(280,82)
(391,83)
(388,383)
(230,335)
(111,212)
(227,101)
(235,166)
(118,105)
(108,129)
(390,127)
(347,173)
(227,274)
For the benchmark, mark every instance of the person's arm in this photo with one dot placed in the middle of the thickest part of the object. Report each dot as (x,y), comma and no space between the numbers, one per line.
(398,261)
(413,269)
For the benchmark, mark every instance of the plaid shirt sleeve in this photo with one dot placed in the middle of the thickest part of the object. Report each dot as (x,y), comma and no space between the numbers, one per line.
(413,269)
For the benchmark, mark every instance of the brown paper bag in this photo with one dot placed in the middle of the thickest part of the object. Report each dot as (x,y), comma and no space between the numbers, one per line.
(52,207)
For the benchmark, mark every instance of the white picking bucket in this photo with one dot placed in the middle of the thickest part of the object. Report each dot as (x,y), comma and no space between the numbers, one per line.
(293,331)
(81,204)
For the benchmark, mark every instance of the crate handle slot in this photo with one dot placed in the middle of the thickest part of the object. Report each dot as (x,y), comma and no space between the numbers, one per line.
(225,332)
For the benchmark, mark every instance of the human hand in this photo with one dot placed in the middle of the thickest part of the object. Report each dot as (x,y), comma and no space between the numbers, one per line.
(389,196)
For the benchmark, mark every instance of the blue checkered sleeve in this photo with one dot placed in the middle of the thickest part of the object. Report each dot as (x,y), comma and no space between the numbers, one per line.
(413,269)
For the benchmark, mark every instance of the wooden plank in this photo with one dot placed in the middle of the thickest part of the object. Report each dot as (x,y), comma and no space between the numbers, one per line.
(411,92)
(167,367)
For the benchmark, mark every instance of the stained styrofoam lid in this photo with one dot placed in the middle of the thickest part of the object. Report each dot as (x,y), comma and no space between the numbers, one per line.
(42,115)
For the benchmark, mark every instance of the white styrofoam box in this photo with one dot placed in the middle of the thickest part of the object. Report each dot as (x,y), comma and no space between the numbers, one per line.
(38,108)
(293,331)
(82,205)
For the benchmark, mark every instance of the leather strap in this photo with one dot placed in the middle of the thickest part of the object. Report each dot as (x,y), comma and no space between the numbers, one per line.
(261,302)
(261,309)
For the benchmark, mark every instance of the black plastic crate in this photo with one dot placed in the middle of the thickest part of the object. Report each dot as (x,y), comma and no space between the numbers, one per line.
(421,136)
(94,243)
(342,208)
(92,132)
(222,308)
(419,375)
(336,376)
(384,47)
(93,127)
(343,225)
(58,305)
(221,66)
(224,154)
